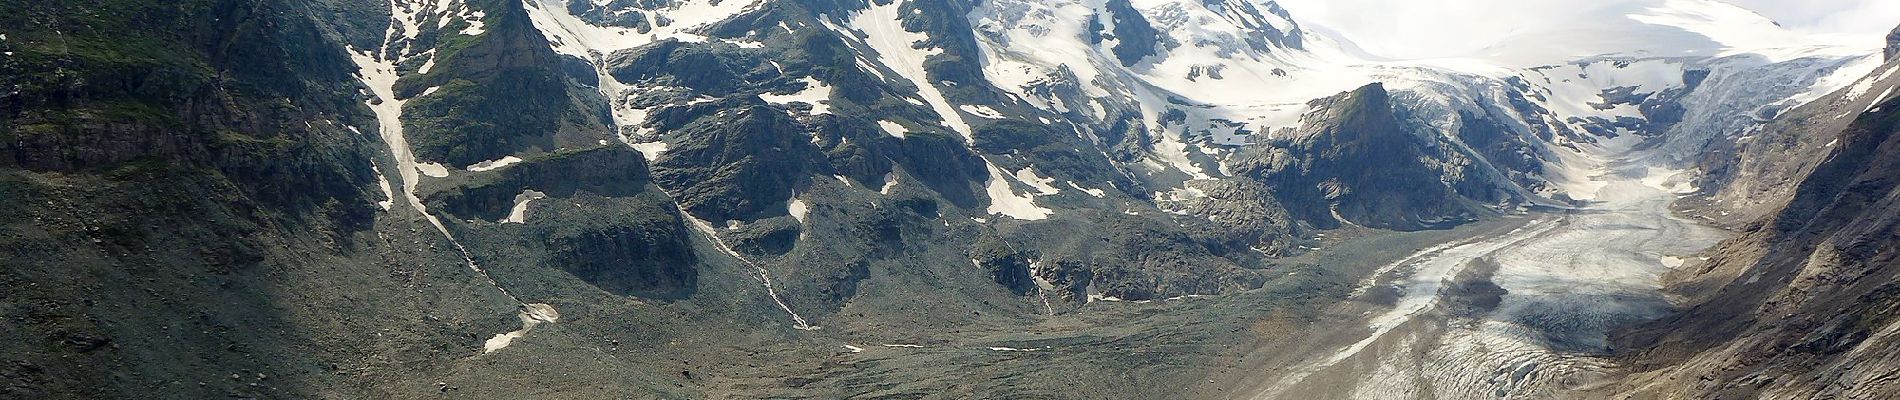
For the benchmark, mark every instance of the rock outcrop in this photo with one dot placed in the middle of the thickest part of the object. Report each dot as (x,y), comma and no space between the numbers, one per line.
(1360,163)
(1893,44)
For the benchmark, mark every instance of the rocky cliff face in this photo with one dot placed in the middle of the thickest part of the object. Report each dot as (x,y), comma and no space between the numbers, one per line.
(1803,303)
(1893,44)
(186,199)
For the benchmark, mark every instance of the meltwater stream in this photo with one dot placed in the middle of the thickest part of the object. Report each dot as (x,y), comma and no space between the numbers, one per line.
(1567,280)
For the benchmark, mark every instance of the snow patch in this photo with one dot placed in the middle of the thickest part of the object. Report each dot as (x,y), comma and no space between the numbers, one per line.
(1866,84)
(475,24)
(1577,90)
(893,128)
(816,93)
(1098,193)
(745,44)
(531,315)
(492,165)
(1672,262)
(570,35)
(1669,180)
(890,184)
(1004,200)
(382,182)
(651,150)
(1042,185)
(798,209)
(1842,77)
(519,214)
(982,111)
(433,170)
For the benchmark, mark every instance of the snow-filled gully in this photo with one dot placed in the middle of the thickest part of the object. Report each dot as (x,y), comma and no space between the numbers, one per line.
(378,73)
(764,276)
(1569,280)
(572,36)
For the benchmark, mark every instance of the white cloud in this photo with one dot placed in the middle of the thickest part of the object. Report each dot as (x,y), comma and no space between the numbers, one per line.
(1856,17)
(1553,29)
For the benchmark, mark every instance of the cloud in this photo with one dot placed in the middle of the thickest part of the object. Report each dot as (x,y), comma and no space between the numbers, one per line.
(1408,29)
(1855,17)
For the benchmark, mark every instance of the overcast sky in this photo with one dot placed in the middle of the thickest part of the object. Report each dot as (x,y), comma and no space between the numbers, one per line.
(1861,17)
(1429,28)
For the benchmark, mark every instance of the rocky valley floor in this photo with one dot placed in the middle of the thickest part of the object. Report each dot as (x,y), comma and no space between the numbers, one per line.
(1192,346)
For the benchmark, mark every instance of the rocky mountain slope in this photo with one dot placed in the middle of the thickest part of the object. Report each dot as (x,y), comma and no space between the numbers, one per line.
(685,198)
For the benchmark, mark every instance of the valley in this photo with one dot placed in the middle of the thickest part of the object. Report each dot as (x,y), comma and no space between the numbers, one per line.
(1525,314)
(923,199)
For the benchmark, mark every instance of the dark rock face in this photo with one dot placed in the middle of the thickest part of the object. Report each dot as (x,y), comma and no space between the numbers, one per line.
(501,94)
(705,70)
(183,185)
(1893,44)
(1005,265)
(740,166)
(1138,259)
(612,171)
(1134,37)
(621,13)
(1472,293)
(1490,139)
(642,250)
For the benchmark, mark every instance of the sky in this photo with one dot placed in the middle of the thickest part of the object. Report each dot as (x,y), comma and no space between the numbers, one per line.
(1858,17)
(1414,29)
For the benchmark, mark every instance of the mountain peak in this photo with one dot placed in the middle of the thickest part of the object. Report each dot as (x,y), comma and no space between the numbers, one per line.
(1893,44)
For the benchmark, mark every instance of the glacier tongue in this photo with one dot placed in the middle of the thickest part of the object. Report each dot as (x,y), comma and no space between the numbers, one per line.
(1560,286)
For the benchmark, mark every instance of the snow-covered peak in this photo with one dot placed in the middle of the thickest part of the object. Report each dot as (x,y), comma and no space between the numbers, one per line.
(1230,24)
